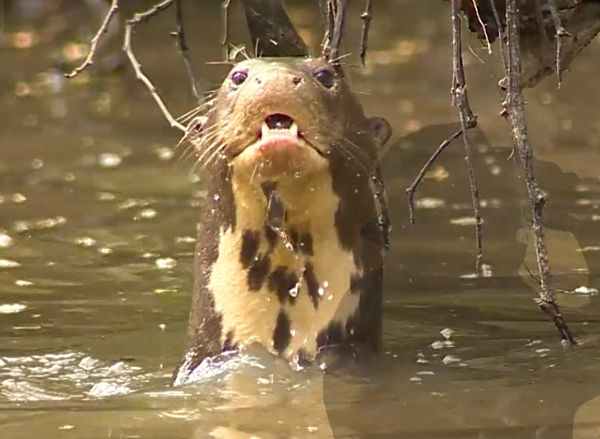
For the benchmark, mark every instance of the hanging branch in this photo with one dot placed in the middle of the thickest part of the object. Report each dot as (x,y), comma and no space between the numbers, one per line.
(129,27)
(364,35)
(467,121)
(89,59)
(137,67)
(516,116)
(185,51)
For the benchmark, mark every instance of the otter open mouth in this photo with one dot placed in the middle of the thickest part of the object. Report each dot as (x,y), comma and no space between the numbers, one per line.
(279,124)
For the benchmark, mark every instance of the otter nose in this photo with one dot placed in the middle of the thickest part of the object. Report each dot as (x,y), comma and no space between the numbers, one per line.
(296,80)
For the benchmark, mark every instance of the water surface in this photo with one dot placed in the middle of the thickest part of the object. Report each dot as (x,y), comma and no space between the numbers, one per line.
(97,230)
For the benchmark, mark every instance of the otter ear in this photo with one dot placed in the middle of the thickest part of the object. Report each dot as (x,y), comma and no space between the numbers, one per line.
(381,131)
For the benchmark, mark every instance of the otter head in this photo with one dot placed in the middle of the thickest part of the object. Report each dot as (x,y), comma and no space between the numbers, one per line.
(287,120)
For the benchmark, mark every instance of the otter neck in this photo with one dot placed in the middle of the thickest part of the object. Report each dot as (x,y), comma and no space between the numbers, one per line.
(294,203)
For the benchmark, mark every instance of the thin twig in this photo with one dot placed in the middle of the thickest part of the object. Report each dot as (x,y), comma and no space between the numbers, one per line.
(364,36)
(516,117)
(413,187)
(337,15)
(185,51)
(137,67)
(89,59)
(467,121)
(561,33)
(225,24)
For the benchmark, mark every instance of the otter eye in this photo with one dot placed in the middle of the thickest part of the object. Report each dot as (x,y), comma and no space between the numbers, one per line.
(239,77)
(325,77)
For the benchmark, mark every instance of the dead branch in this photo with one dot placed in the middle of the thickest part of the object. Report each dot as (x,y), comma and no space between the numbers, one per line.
(138,18)
(413,187)
(225,24)
(185,51)
(89,59)
(364,35)
(537,198)
(467,121)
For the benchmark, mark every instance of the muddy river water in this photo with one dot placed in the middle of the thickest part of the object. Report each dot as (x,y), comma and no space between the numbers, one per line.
(97,229)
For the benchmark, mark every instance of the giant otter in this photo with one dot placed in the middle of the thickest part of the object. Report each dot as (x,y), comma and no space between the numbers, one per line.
(289,252)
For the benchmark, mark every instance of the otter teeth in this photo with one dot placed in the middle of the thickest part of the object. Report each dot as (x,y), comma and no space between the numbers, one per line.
(265,130)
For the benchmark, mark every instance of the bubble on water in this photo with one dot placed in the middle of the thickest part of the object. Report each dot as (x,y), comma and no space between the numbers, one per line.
(216,197)
(165,153)
(105,388)
(23,283)
(7,263)
(165,263)
(37,163)
(105,250)
(12,308)
(109,160)
(88,363)
(66,427)
(429,203)
(449,359)
(464,221)
(19,198)
(147,214)
(447,333)
(437,344)
(5,240)
(85,241)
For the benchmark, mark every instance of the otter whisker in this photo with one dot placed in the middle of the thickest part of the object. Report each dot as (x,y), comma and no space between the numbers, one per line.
(218,151)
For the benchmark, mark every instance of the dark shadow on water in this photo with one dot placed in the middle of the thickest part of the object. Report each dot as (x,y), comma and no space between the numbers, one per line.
(479,411)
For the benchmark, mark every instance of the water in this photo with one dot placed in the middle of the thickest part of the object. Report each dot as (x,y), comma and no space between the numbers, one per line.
(97,227)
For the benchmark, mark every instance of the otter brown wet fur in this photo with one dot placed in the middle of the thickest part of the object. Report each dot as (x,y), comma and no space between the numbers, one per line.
(308,276)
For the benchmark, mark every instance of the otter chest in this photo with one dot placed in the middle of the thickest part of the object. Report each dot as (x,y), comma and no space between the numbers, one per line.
(291,292)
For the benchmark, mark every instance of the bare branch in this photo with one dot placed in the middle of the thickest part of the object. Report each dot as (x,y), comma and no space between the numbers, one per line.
(516,117)
(137,67)
(89,59)
(364,36)
(185,51)
(467,121)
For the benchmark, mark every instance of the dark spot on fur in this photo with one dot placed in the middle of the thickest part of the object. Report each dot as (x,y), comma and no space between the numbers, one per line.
(312,284)
(281,334)
(281,282)
(356,284)
(258,272)
(271,236)
(293,236)
(365,326)
(250,242)
(332,335)
(229,344)
(268,187)
(306,244)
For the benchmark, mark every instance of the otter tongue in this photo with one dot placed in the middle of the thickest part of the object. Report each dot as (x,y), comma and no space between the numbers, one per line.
(267,131)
